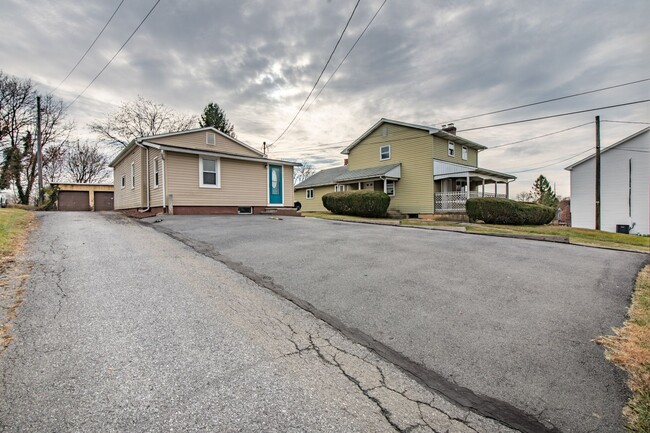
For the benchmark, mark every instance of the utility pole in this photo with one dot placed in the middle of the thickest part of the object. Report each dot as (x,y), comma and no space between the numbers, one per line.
(39,151)
(597,172)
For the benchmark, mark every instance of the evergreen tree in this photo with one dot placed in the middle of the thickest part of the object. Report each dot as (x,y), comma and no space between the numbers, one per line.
(214,116)
(543,193)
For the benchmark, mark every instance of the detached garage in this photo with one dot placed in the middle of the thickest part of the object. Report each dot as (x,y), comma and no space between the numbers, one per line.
(84,196)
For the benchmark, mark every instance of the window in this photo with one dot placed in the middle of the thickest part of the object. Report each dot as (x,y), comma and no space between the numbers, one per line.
(310,193)
(133,175)
(384,152)
(464,153)
(245,210)
(209,173)
(451,149)
(339,188)
(384,132)
(156,175)
(210,138)
(123,181)
(390,188)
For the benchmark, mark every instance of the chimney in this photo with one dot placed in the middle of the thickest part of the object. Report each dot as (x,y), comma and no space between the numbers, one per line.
(451,129)
(345,161)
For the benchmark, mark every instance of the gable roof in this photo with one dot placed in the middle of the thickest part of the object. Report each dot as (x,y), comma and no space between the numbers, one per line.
(430,129)
(323,177)
(190,131)
(140,141)
(618,143)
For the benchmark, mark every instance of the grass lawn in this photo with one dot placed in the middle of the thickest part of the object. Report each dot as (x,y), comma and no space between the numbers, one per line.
(575,235)
(630,350)
(14,224)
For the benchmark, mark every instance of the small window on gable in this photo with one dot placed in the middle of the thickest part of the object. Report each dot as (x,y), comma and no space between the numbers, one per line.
(384,152)
(390,188)
(463,154)
(123,182)
(310,193)
(156,174)
(210,138)
(384,131)
(451,149)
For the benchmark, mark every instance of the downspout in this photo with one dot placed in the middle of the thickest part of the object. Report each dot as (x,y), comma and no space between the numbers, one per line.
(164,193)
(148,187)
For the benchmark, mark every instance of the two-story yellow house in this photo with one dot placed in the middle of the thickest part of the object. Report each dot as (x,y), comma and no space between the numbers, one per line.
(425,170)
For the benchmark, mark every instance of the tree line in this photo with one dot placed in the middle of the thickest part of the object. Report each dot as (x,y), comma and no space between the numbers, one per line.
(66,158)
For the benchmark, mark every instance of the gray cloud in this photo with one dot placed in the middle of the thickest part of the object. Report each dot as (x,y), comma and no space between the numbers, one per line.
(418,62)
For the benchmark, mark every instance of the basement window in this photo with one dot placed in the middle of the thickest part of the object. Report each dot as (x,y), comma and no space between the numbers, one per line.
(245,210)
(310,193)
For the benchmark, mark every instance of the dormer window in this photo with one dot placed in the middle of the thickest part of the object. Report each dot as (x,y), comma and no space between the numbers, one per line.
(451,149)
(210,138)
(384,152)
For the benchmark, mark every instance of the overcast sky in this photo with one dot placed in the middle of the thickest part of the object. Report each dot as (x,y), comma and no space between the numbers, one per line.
(424,62)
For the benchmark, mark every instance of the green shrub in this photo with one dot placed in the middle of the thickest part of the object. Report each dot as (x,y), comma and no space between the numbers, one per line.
(505,211)
(358,203)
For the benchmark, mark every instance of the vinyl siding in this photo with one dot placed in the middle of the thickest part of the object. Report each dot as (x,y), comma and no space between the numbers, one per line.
(156,198)
(128,198)
(243,183)
(287,184)
(440,152)
(315,204)
(196,140)
(614,188)
(413,148)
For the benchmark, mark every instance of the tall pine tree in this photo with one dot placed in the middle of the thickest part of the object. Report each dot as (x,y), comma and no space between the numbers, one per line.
(214,116)
(543,193)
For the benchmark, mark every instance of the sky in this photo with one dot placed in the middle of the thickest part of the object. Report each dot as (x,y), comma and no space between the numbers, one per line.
(420,61)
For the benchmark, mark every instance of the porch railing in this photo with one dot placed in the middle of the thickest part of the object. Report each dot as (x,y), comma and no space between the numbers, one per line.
(455,201)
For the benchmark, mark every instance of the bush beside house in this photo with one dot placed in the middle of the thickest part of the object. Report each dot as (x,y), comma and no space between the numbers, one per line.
(361,203)
(505,211)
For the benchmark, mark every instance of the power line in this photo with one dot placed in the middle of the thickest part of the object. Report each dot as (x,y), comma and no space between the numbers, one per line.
(548,100)
(89,48)
(553,163)
(556,115)
(319,75)
(346,55)
(540,136)
(115,55)
(623,121)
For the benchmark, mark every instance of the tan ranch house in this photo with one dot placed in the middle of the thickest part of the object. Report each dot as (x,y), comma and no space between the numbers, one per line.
(200,171)
(425,170)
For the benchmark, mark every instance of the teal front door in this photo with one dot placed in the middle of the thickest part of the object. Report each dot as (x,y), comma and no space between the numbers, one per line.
(275,184)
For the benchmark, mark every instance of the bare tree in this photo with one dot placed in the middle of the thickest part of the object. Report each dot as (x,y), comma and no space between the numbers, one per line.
(18,167)
(86,163)
(302,172)
(140,118)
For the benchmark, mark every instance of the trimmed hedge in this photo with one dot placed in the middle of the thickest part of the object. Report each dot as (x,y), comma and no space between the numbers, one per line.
(358,203)
(505,211)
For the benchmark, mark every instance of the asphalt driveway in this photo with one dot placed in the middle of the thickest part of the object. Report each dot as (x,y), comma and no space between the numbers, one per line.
(509,319)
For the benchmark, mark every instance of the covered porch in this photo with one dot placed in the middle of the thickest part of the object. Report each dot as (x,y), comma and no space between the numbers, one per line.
(382,178)
(454,184)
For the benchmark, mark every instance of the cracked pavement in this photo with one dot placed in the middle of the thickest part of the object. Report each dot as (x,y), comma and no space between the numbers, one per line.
(125,329)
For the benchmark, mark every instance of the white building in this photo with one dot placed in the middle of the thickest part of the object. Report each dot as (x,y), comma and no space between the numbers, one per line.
(624,186)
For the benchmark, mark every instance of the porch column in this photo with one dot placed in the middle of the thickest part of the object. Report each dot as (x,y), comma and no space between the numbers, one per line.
(385,187)
(496,185)
(359,185)
(483,189)
(507,189)
(467,185)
